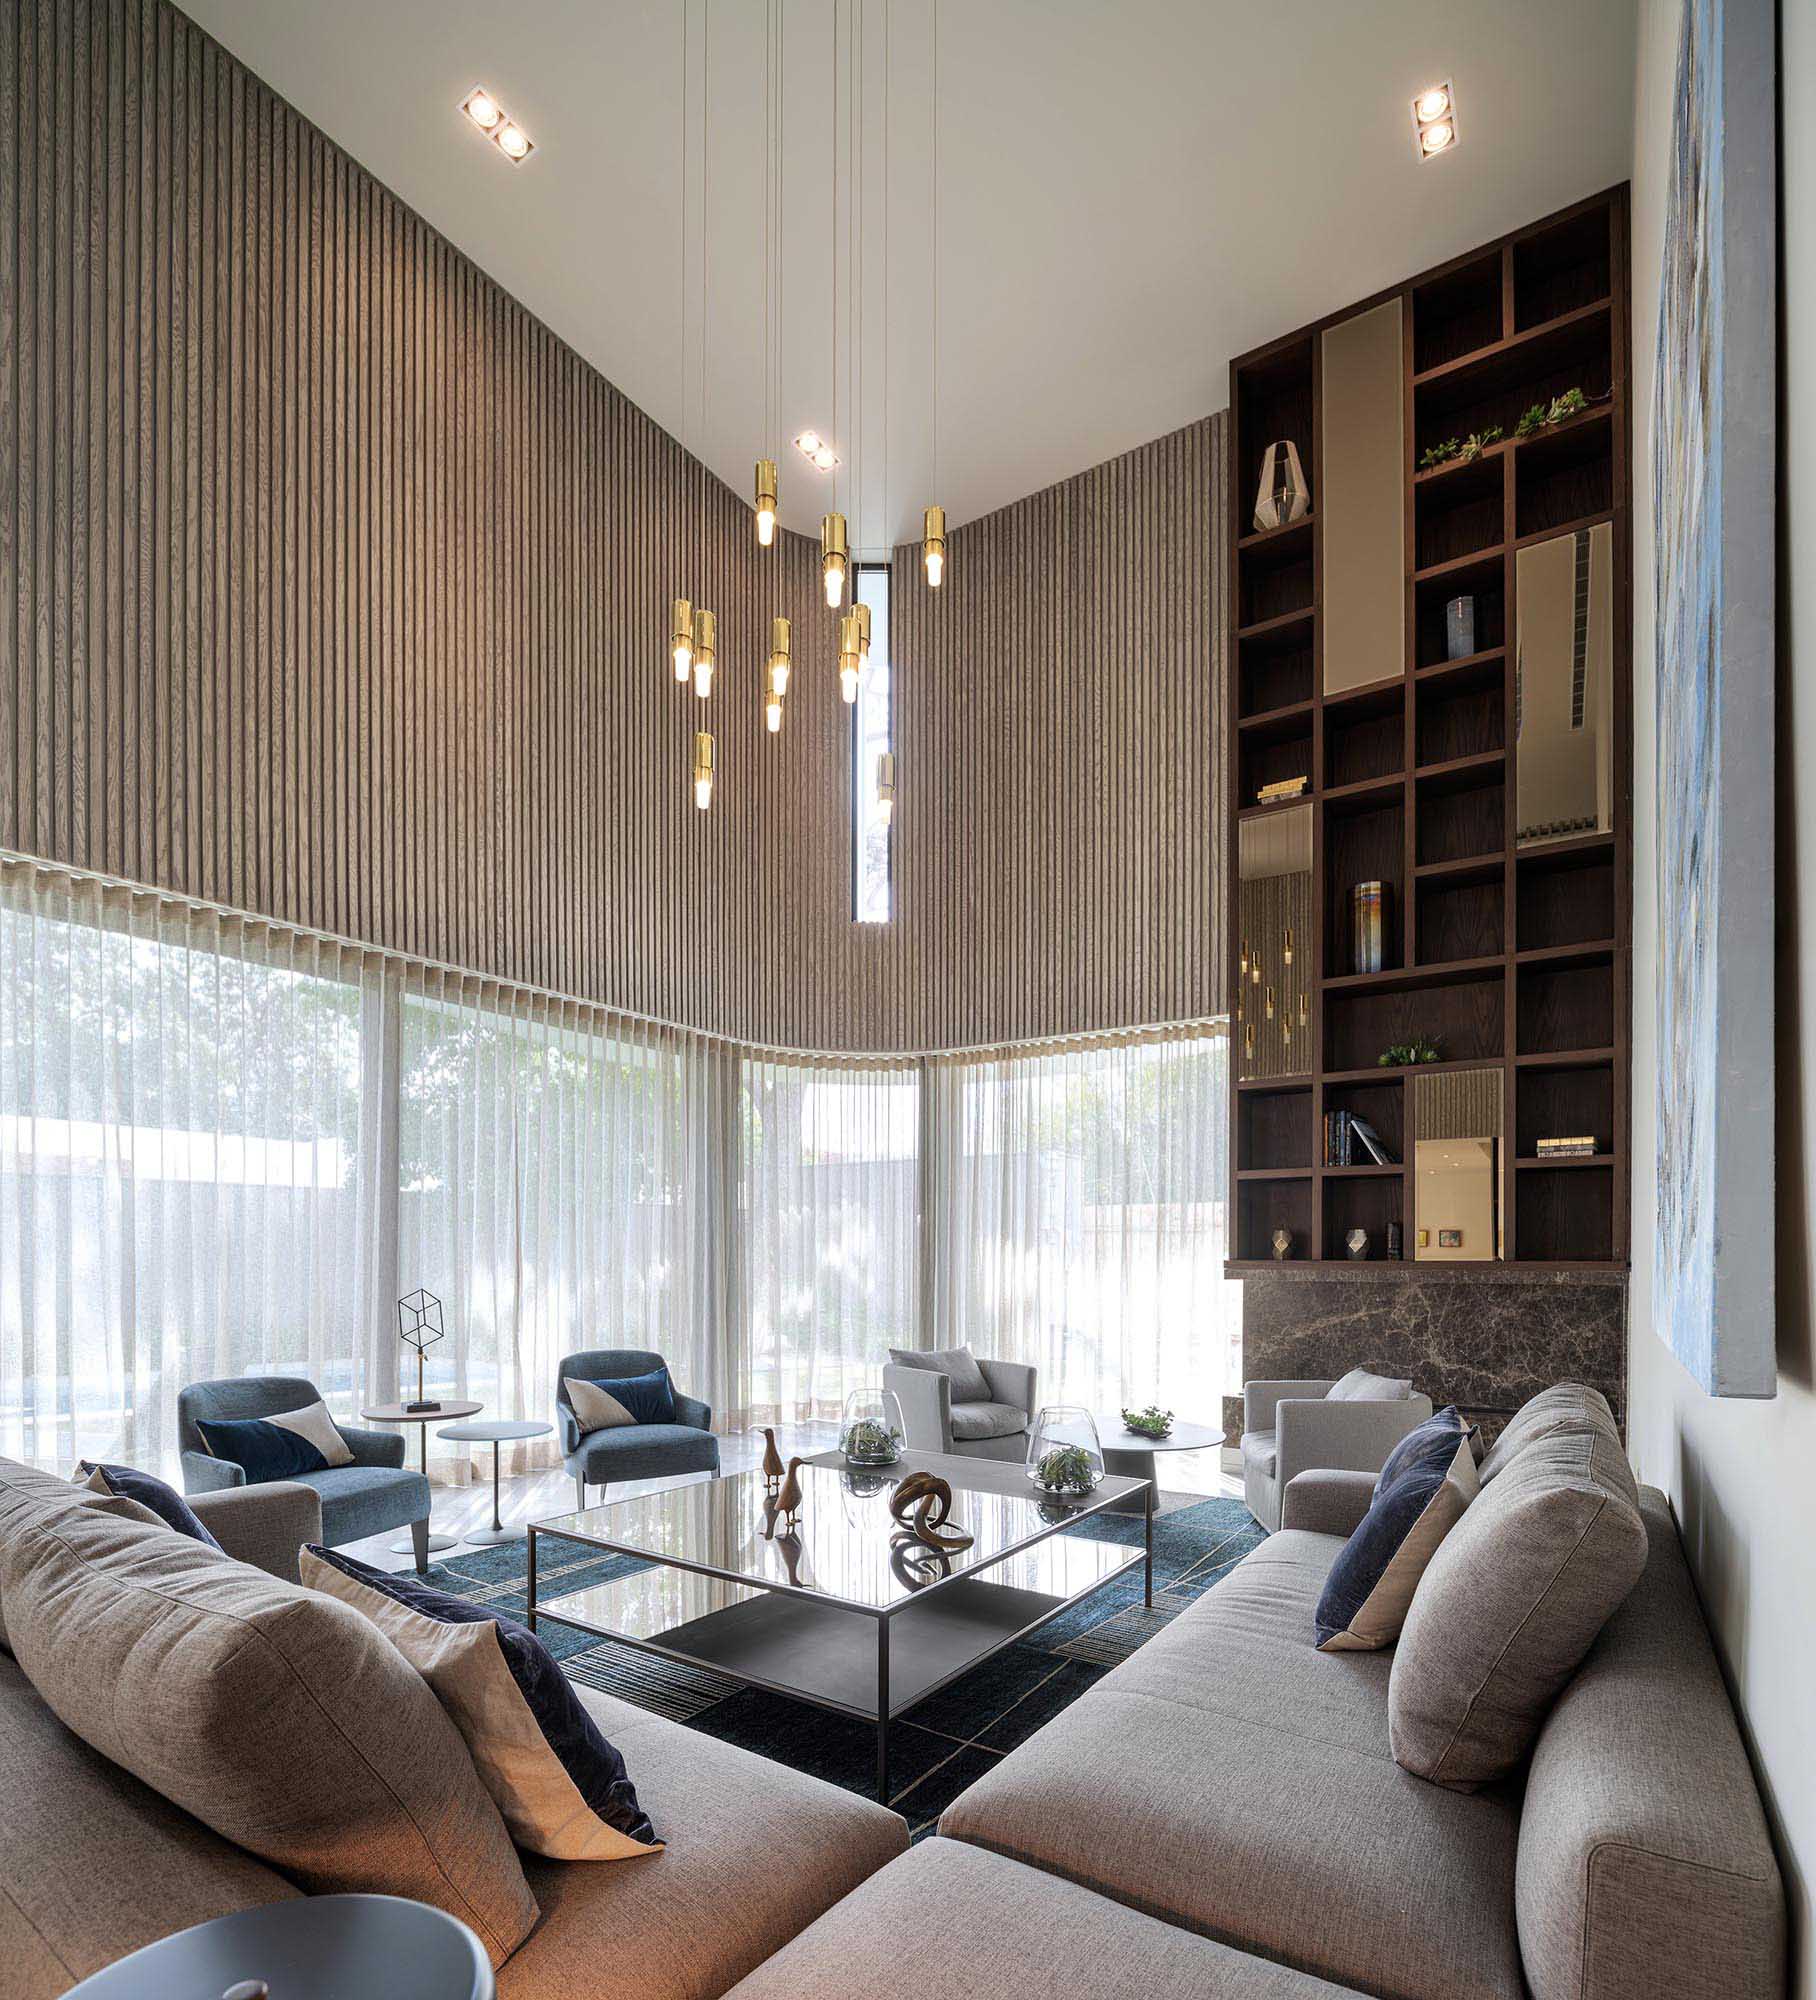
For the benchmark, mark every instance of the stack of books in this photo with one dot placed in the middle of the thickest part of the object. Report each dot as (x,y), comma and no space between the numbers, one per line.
(1580,1147)
(1344,1133)
(1281,788)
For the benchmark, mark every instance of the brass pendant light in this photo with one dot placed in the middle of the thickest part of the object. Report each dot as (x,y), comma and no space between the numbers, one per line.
(681,638)
(706,651)
(835,559)
(933,545)
(850,660)
(766,501)
(703,770)
(885,786)
(780,664)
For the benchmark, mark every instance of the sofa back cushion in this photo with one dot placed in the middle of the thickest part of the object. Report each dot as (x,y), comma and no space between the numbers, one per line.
(1645,1864)
(45,1489)
(73,1821)
(284,1721)
(1565,1406)
(1510,1603)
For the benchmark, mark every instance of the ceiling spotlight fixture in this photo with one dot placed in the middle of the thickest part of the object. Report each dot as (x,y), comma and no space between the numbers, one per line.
(766,501)
(497,124)
(681,638)
(1434,119)
(885,786)
(850,659)
(484,109)
(816,450)
(834,555)
(703,770)
(706,652)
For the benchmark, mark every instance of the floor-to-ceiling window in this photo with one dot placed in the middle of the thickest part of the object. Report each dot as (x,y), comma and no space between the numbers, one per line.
(229,1148)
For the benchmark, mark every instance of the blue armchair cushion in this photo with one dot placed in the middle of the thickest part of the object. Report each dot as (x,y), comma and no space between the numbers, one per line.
(1421,1496)
(562,1787)
(625,1399)
(280,1446)
(127,1482)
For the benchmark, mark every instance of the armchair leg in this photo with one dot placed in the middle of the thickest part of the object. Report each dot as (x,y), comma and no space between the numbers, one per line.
(579,1493)
(419,1536)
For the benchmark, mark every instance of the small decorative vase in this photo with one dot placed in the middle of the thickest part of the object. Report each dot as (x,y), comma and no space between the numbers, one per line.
(1283,495)
(1459,628)
(1283,1245)
(1064,1456)
(1393,1242)
(1356,1243)
(872,1430)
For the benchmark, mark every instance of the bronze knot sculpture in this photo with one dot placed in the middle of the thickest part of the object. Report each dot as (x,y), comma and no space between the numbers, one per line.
(929,1500)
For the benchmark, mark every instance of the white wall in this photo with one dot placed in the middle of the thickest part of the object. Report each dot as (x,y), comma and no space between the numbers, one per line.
(1742,1475)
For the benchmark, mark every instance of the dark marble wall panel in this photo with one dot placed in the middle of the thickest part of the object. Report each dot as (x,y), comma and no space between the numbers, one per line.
(1485,1343)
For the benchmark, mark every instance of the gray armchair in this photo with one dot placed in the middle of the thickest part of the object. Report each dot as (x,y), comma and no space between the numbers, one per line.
(631,1451)
(932,1421)
(264,1525)
(1289,1428)
(368,1497)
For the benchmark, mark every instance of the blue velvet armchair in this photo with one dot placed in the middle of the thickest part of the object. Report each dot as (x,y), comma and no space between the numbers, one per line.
(372,1494)
(631,1451)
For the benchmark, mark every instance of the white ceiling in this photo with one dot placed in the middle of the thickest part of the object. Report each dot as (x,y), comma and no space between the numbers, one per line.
(1131,192)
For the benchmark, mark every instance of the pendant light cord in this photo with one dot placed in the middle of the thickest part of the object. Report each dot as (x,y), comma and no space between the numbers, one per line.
(687,276)
(934,127)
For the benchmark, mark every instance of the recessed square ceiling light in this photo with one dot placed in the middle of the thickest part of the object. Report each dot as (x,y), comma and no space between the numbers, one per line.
(812,446)
(1434,119)
(497,124)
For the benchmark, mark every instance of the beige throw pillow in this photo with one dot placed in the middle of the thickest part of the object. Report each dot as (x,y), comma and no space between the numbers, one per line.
(595,1407)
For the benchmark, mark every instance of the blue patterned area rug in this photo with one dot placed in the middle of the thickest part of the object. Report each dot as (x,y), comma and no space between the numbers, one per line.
(953,1737)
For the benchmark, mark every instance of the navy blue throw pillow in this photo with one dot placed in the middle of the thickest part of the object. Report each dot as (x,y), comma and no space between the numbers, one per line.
(1443,1424)
(264,1450)
(649,1398)
(127,1482)
(1427,1482)
(562,1787)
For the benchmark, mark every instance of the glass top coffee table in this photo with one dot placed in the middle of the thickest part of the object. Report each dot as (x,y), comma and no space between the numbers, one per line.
(850,1611)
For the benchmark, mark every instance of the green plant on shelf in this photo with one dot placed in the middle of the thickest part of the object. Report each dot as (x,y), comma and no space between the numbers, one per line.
(1153,1422)
(1067,1468)
(1541,416)
(1403,1054)
(1462,450)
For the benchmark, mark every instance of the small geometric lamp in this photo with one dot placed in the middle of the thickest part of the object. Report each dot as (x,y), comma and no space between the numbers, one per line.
(419,1326)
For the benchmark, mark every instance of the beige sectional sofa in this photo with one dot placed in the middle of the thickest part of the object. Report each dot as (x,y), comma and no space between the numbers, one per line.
(1219,1816)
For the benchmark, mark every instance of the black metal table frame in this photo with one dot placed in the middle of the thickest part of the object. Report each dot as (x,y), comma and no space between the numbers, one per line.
(881,1614)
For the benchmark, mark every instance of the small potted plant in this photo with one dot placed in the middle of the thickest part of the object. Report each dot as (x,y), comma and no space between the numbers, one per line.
(1153,1422)
(872,1431)
(1064,1457)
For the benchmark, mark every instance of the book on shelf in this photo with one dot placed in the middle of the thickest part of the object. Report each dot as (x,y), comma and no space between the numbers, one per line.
(1281,788)
(1566,1149)
(1371,1139)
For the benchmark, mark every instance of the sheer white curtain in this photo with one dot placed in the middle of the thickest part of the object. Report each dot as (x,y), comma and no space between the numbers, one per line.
(829,1228)
(185,1162)
(557,1176)
(1076,1200)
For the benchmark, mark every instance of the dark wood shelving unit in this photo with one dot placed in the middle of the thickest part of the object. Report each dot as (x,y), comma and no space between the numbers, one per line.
(1517,958)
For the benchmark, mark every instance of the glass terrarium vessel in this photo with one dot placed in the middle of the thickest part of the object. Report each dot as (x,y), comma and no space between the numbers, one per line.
(871,1433)
(1064,1456)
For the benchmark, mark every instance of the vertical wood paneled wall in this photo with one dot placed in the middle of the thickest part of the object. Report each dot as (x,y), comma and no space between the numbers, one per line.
(334,587)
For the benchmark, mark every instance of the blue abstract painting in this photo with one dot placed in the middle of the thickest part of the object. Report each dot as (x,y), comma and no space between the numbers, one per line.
(1712,1261)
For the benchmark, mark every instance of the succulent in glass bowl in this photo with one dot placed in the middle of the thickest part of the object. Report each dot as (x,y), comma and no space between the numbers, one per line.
(1064,1457)
(1067,1468)
(872,1431)
(1153,1422)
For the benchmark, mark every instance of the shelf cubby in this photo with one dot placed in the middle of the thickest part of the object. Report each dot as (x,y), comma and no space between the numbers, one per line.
(1381,1104)
(1466,1018)
(1564,1214)
(1461,809)
(1562,267)
(1361,1201)
(1480,576)
(1365,736)
(1364,846)
(1459,514)
(1565,476)
(1565,1007)
(1564,1104)
(1566,893)
(1460,919)
(1262,1206)
(1275,1128)
(1458,311)
(1463,715)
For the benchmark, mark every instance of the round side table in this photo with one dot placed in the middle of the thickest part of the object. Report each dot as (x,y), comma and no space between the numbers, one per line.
(1129,1453)
(501,1432)
(313,1948)
(396,1413)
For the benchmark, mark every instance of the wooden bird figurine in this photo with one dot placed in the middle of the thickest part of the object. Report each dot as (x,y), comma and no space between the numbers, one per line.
(788,1500)
(772,1462)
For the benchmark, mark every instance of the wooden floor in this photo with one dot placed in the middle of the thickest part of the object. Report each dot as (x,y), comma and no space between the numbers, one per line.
(536,1496)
